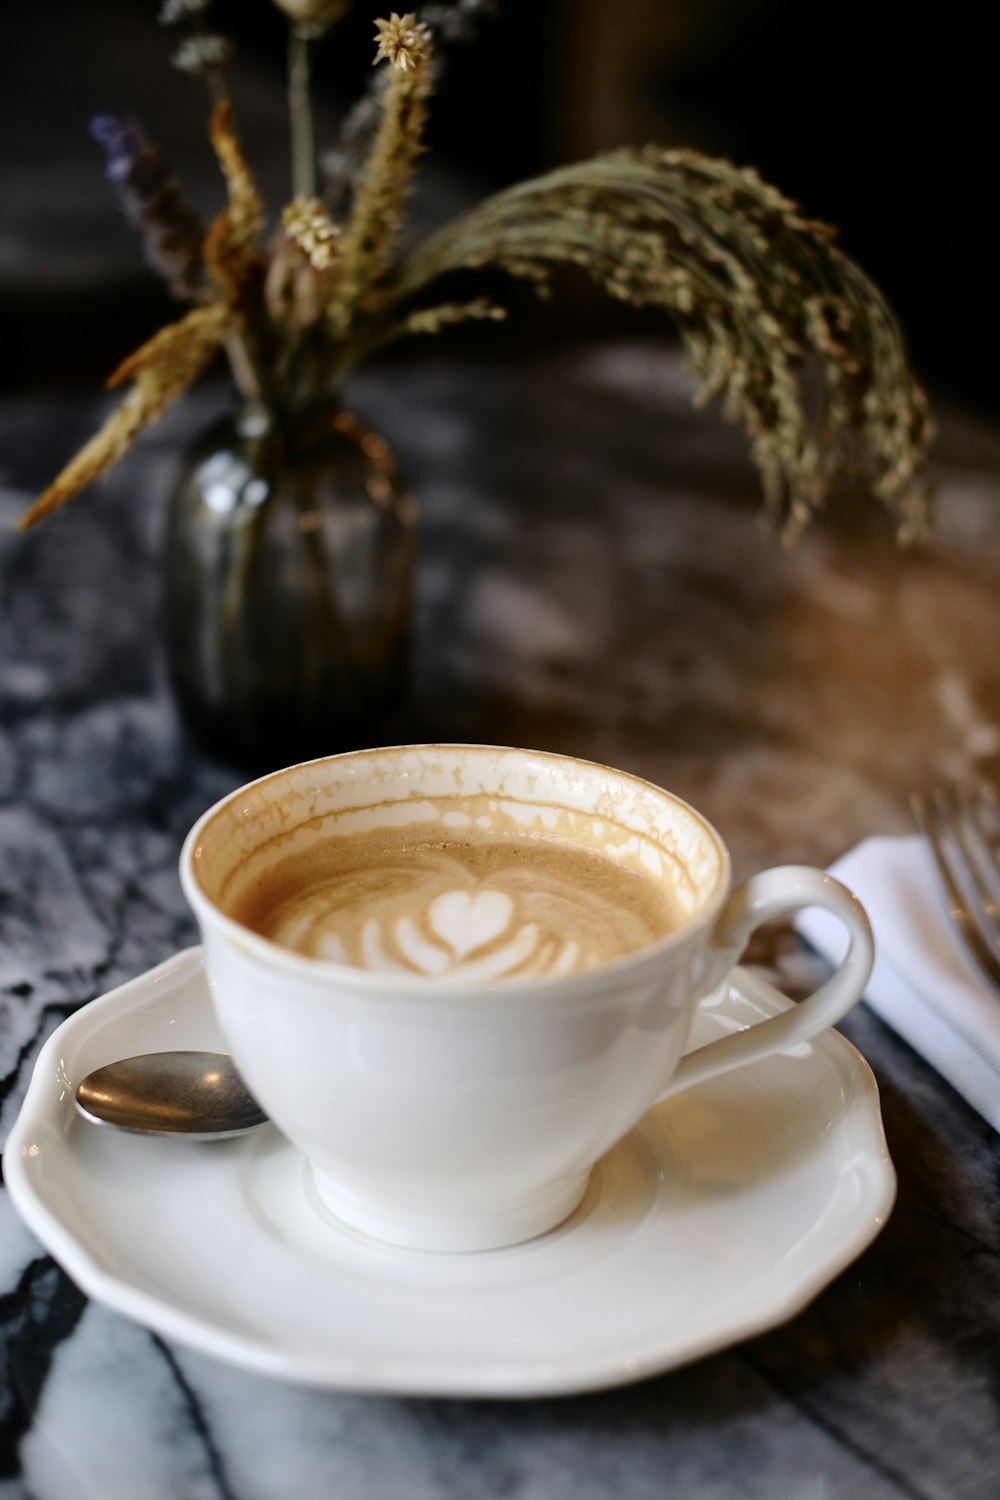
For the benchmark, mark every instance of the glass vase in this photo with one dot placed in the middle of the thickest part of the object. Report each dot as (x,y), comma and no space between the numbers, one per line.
(290,556)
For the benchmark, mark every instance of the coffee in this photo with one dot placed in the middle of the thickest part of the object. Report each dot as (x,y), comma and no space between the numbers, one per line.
(444,1115)
(475,905)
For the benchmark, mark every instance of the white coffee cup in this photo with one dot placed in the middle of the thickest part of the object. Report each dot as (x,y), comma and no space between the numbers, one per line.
(443,1115)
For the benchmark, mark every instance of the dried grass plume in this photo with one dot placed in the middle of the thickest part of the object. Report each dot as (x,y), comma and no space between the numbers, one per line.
(161,370)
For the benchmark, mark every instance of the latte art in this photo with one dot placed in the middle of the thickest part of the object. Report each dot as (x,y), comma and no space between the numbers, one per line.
(473,909)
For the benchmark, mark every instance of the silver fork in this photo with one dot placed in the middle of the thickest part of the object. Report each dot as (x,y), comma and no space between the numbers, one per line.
(962,828)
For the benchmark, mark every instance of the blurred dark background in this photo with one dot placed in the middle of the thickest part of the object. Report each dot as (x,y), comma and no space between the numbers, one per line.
(877,115)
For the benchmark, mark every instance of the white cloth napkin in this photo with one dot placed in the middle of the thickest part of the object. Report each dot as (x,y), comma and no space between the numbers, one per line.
(922,985)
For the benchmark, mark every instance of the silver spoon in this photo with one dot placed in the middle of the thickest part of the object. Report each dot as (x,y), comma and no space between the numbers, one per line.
(196,1095)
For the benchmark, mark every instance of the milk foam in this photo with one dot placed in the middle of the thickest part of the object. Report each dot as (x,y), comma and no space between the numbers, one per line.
(467,905)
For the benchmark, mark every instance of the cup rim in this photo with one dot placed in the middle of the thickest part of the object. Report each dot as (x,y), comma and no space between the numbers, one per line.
(437,987)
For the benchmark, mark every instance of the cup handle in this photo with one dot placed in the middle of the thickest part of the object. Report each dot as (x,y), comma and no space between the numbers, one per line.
(776,893)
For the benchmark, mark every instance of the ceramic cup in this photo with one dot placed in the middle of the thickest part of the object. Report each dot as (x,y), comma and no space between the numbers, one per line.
(441,1114)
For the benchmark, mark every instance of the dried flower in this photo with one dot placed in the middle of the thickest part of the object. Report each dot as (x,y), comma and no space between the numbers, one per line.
(762,297)
(230,247)
(173,12)
(150,197)
(174,350)
(295,292)
(433,319)
(791,336)
(162,370)
(308,225)
(450,24)
(316,15)
(245,210)
(370,238)
(403,41)
(201,55)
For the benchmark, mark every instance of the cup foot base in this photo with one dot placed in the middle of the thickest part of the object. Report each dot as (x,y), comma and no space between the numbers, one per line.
(484,1229)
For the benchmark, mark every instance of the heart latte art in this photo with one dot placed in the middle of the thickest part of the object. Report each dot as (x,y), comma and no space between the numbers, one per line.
(473,908)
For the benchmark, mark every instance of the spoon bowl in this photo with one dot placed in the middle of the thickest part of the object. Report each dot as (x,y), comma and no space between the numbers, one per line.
(198,1096)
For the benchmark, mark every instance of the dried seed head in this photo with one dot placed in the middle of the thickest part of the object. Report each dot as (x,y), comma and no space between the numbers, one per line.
(173,12)
(308,225)
(402,40)
(203,54)
(313,15)
(295,292)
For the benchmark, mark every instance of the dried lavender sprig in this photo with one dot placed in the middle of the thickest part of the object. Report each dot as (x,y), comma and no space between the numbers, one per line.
(150,197)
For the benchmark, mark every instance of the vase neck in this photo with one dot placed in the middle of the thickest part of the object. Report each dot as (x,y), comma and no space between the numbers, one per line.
(293,429)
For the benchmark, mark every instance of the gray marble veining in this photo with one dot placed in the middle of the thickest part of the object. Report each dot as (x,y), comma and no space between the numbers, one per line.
(593,580)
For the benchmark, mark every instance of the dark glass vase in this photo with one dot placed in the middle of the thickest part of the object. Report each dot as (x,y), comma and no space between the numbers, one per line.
(289,588)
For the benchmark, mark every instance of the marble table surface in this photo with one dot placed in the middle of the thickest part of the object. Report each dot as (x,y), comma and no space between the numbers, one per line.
(593,580)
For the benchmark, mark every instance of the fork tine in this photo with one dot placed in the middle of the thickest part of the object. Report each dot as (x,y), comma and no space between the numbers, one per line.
(979,841)
(941,826)
(989,805)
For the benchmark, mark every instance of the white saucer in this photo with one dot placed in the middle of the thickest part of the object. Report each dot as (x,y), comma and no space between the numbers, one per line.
(724,1212)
